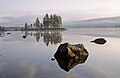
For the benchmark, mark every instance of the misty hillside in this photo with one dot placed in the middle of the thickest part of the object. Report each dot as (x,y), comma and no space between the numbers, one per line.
(95,23)
(14,21)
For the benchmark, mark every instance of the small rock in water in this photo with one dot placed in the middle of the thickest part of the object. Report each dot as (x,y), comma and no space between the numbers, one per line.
(24,36)
(8,33)
(52,59)
(99,41)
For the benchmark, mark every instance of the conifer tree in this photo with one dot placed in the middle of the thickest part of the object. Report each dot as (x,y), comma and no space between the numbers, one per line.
(37,23)
(26,26)
(46,21)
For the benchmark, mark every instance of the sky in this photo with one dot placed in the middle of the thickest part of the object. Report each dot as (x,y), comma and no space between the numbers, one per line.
(69,9)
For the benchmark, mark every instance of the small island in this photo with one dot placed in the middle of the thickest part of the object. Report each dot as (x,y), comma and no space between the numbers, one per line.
(49,22)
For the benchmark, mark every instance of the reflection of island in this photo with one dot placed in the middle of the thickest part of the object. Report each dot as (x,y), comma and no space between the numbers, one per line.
(69,55)
(49,37)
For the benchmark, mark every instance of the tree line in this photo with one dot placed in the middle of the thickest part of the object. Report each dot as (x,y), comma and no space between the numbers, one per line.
(48,21)
(1,27)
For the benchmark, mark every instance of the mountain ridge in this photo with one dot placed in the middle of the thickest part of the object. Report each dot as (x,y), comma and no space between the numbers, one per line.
(109,22)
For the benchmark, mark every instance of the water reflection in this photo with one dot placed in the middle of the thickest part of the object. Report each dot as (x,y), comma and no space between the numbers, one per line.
(49,37)
(52,37)
(68,56)
(2,33)
(27,59)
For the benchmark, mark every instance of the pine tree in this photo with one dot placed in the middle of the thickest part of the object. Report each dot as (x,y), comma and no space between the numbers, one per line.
(51,21)
(26,26)
(37,23)
(46,21)
(59,21)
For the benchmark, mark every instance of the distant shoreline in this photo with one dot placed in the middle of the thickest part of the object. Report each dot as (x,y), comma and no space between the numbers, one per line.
(30,29)
(45,29)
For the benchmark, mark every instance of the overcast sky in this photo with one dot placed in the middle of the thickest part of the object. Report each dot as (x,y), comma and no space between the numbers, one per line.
(69,9)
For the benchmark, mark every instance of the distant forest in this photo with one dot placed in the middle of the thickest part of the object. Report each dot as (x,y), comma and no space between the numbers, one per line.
(48,21)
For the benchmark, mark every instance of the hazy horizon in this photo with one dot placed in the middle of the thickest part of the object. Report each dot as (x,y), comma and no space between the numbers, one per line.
(70,10)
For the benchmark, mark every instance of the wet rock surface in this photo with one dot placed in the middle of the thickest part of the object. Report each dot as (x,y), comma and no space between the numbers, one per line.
(69,55)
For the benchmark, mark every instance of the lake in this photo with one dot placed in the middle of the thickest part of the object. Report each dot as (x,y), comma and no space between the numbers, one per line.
(27,54)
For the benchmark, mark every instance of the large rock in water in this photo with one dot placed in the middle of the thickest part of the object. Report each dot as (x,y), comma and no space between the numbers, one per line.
(69,55)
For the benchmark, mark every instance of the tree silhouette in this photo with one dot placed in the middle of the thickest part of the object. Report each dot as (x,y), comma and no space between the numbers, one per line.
(26,26)
(46,21)
(37,23)
(52,21)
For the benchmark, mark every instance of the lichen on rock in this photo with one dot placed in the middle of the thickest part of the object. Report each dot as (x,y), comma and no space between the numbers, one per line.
(69,55)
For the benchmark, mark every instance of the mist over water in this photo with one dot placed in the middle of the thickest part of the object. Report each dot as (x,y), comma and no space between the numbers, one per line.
(97,32)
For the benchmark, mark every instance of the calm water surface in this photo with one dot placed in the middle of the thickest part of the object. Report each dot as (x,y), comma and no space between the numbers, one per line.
(30,57)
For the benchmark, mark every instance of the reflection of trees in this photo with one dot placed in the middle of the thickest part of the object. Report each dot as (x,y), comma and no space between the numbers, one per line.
(49,37)
(52,37)
(2,33)
(37,36)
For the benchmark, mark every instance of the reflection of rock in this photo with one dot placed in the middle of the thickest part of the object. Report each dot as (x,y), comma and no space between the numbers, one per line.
(69,55)
(99,41)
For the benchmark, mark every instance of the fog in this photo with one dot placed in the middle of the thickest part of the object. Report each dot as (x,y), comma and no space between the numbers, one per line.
(20,11)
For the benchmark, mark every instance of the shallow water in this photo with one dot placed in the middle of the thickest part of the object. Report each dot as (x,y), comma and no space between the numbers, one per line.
(31,57)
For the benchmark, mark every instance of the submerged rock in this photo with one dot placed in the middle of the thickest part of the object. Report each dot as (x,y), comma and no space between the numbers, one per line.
(69,55)
(99,41)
